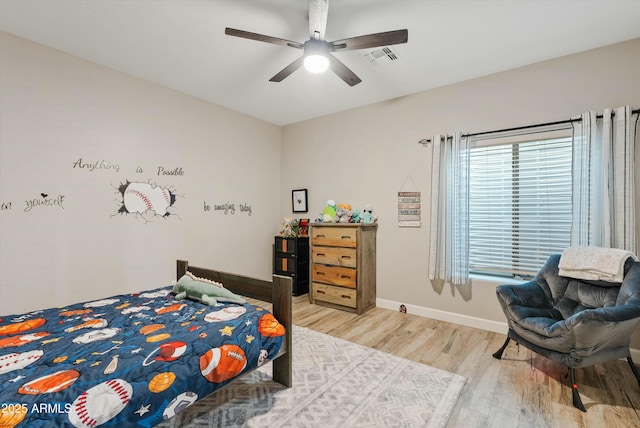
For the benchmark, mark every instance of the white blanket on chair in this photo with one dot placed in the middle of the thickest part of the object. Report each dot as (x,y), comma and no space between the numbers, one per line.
(594,263)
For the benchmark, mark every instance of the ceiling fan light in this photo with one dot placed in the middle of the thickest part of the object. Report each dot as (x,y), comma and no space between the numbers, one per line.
(316,63)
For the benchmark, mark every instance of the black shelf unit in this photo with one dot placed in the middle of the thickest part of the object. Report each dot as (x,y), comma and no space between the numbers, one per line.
(291,258)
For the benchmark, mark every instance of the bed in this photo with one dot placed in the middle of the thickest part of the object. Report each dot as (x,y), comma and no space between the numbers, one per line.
(139,358)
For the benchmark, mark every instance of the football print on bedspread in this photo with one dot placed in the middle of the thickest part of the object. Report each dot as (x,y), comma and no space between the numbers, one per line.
(222,363)
(172,308)
(8,342)
(92,323)
(50,383)
(151,328)
(20,327)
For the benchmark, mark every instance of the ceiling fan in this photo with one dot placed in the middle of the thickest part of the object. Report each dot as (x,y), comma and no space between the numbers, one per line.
(318,51)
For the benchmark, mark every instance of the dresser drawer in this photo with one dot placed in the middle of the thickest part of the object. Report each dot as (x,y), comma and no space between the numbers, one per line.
(335,275)
(334,256)
(337,295)
(334,236)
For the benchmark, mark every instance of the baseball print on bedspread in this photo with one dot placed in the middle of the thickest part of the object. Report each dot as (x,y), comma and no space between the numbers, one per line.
(129,360)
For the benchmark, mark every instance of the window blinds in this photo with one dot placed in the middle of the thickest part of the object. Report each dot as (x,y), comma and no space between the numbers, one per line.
(519,204)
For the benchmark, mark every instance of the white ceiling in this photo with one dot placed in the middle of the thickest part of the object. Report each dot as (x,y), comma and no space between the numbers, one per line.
(181,44)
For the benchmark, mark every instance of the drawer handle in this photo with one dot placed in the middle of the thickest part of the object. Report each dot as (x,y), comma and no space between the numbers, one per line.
(320,236)
(346,296)
(321,255)
(320,273)
(345,276)
(346,257)
(320,292)
(346,237)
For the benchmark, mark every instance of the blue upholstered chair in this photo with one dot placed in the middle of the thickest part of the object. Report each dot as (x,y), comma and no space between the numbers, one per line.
(574,322)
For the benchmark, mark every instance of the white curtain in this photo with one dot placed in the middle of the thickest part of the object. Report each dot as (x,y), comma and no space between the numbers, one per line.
(603,180)
(449,242)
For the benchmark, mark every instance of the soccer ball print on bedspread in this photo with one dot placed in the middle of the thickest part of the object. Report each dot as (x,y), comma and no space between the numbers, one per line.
(133,359)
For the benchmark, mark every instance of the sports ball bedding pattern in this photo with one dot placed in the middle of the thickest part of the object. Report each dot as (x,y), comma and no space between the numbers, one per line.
(129,360)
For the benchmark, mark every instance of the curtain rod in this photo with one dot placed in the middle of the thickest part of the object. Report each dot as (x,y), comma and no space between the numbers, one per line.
(426,141)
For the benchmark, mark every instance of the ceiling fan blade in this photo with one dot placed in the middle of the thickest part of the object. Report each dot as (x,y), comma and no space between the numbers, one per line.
(318,12)
(371,40)
(343,71)
(286,72)
(261,38)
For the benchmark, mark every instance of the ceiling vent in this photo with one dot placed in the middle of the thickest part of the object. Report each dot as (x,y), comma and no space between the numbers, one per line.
(380,56)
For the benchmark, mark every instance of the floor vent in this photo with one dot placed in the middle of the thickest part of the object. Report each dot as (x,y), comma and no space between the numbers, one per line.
(382,55)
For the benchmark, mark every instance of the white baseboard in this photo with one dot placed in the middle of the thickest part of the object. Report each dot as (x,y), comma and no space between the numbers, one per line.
(436,314)
(481,323)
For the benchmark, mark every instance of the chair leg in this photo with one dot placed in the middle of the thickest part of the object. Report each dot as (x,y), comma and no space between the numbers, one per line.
(634,369)
(498,354)
(577,402)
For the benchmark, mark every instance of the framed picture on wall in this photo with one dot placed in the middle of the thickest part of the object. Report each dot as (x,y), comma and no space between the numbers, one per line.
(299,200)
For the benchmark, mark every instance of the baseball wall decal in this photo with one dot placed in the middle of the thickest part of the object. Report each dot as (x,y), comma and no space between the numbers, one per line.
(140,198)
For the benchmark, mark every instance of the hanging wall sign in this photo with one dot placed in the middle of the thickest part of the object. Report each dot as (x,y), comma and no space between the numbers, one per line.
(409,214)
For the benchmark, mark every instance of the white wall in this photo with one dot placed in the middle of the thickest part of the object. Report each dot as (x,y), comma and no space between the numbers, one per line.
(56,109)
(363,156)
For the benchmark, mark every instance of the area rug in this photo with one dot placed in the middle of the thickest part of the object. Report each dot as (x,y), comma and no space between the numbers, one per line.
(335,384)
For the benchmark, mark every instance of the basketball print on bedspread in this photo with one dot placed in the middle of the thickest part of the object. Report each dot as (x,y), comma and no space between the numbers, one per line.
(161,382)
(269,326)
(12,416)
(100,403)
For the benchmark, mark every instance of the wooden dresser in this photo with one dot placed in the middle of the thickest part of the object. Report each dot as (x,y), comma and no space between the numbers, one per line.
(343,265)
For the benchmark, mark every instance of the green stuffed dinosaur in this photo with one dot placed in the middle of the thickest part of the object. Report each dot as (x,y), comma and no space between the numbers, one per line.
(204,291)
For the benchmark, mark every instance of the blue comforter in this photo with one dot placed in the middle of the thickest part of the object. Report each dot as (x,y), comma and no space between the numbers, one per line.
(132,359)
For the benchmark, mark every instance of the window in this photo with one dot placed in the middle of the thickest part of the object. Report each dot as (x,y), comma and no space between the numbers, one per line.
(519,202)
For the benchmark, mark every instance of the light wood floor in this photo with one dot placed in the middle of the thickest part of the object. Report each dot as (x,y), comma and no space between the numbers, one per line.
(521,390)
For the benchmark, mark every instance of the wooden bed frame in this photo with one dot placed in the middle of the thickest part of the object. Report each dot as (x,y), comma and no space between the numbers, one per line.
(278,293)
